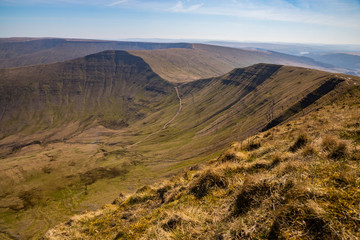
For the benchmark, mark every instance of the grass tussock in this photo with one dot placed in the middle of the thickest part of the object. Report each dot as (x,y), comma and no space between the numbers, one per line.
(335,148)
(208,180)
(300,142)
(232,155)
(228,156)
(283,188)
(309,151)
(250,196)
(339,151)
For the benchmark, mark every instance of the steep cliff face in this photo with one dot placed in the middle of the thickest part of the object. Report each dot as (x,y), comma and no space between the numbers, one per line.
(246,100)
(111,87)
(250,77)
(327,86)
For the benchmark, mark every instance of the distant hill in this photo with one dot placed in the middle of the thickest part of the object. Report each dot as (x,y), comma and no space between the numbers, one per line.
(204,61)
(292,48)
(175,62)
(341,58)
(76,133)
(350,62)
(113,87)
(25,52)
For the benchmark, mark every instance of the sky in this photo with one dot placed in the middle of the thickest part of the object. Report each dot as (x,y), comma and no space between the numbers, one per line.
(291,21)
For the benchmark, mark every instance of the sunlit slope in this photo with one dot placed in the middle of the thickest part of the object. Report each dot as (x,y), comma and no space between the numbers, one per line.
(219,110)
(204,61)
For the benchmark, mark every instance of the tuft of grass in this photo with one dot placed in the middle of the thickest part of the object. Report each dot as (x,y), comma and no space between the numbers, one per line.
(252,145)
(339,151)
(304,221)
(356,155)
(227,156)
(300,142)
(201,186)
(250,196)
(328,142)
(336,149)
(309,150)
(171,223)
(140,198)
(162,191)
(143,189)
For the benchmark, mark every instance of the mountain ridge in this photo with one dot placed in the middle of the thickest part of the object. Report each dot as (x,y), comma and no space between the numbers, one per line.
(205,61)
(50,50)
(89,80)
(175,62)
(89,155)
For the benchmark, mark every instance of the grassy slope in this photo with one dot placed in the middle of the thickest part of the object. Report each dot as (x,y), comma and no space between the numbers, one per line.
(204,61)
(236,105)
(296,181)
(90,168)
(112,87)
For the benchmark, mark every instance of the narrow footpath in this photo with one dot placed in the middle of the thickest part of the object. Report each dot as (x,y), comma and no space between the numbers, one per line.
(166,124)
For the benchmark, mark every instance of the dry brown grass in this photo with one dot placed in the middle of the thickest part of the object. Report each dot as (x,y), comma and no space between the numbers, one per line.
(202,185)
(300,142)
(292,186)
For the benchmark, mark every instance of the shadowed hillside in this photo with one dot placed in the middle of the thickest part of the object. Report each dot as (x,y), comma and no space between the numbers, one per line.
(113,88)
(106,123)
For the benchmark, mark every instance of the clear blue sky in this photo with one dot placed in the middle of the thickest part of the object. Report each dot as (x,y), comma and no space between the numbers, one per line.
(302,21)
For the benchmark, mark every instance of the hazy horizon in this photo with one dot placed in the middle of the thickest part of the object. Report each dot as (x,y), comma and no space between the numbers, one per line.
(274,21)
